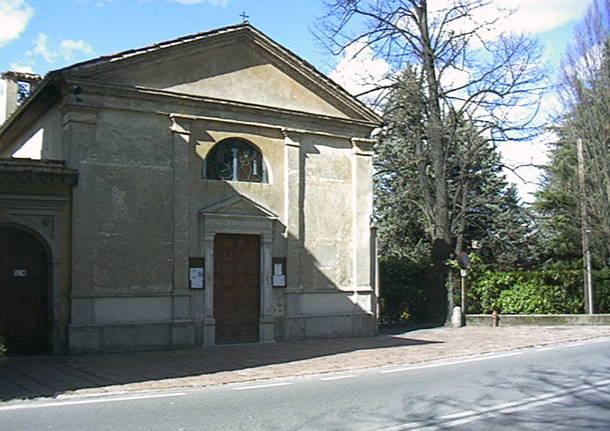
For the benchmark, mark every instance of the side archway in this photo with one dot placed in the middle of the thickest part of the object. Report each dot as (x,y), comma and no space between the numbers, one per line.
(24,292)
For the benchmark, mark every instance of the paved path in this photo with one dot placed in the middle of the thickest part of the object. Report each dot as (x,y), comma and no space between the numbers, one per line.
(33,377)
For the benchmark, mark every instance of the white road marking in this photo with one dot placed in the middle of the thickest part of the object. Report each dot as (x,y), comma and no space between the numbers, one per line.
(574,344)
(469,416)
(458,415)
(338,377)
(89,401)
(442,364)
(270,385)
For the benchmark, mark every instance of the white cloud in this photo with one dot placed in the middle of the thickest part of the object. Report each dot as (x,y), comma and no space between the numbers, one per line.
(14,18)
(518,15)
(18,66)
(69,47)
(453,77)
(359,71)
(41,47)
(499,17)
(524,159)
(541,15)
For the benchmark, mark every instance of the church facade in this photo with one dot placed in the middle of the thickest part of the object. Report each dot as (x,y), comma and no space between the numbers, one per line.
(206,190)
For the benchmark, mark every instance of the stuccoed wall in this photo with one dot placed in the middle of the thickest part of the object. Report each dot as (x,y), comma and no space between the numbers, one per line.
(328,207)
(137,221)
(122,233)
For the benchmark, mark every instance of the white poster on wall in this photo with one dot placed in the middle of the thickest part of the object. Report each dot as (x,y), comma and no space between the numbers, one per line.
(196,276)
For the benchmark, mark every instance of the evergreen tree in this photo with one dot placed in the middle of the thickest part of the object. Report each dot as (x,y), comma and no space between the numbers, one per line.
(585,96)
(482,206)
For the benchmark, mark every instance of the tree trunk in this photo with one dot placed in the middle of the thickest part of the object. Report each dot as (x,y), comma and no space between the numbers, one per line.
(441,239)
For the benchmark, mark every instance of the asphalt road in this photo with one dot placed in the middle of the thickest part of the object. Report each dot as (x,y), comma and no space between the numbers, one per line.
(565,387)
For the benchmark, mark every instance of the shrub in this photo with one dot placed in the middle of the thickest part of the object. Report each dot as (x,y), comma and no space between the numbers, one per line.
(525,292)
(403,291)
(531,297)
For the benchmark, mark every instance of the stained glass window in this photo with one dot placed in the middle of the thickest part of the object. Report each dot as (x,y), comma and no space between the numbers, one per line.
(235,160)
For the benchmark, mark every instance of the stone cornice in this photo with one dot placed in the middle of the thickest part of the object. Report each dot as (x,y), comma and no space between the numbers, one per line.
(129,92)
(363,146)
(76,113)
(27,171)
(180,124)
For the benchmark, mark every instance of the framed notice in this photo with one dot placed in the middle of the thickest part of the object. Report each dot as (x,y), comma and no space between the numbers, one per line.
(196,277)
(278,273)
(196,273)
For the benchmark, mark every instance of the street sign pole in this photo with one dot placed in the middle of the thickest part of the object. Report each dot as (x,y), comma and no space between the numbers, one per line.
(463,261)
(463,304)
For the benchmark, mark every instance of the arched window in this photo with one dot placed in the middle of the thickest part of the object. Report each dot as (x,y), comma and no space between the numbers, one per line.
(235,160)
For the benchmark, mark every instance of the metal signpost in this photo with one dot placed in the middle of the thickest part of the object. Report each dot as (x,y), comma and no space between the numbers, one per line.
(463,261)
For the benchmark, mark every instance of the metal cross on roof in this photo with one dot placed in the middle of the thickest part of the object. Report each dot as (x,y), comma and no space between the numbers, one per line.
(244,17)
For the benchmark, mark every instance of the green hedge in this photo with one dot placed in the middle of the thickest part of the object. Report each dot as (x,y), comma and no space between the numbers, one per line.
(534,292)
(405,295)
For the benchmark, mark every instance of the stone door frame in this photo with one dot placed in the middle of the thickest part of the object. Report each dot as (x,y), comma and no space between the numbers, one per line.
(261,224)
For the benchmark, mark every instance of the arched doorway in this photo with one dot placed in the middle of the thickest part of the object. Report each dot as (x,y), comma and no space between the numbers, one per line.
(24,314)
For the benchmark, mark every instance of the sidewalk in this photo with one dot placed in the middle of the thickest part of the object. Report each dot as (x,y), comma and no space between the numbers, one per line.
(31,377)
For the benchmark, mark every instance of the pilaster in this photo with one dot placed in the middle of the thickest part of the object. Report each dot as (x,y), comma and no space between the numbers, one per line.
(209,323)
(293,210)
(266,324)
(362,209)
(79,129)
(181,145)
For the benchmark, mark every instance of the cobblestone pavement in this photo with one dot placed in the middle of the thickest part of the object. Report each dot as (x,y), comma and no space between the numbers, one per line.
(31,377)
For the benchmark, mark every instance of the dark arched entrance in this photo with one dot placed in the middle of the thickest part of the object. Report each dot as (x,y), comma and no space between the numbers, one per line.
(24,317)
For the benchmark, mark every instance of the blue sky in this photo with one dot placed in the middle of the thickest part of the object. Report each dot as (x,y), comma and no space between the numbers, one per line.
(99,27)
(42,35)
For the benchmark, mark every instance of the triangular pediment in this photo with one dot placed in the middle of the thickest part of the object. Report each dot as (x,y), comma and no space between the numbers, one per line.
(237,64)
(238,206)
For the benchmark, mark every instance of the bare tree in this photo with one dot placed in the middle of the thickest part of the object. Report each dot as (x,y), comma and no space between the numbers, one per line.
(468,69)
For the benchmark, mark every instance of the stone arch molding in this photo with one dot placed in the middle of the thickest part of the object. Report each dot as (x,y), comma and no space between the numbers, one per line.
(41,215)
(238,215)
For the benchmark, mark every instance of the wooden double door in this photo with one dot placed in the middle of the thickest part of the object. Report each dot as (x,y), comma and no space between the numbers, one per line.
(237,279)
(24,316)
